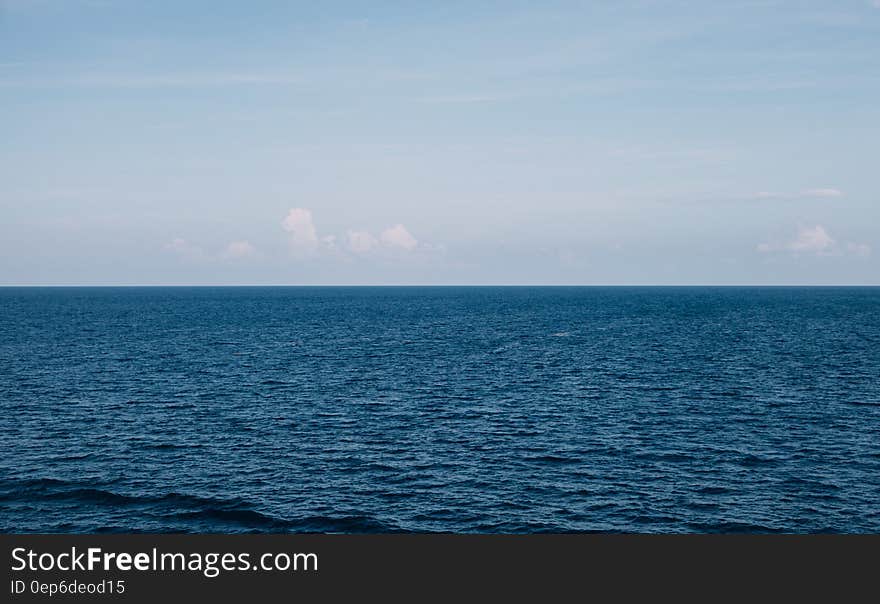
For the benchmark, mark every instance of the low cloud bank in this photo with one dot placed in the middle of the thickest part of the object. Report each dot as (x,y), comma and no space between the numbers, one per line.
(305,241)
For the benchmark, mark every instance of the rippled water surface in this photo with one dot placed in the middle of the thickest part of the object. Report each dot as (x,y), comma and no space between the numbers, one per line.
(440,409)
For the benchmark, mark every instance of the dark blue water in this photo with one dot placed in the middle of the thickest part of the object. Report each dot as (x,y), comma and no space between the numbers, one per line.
(440,409)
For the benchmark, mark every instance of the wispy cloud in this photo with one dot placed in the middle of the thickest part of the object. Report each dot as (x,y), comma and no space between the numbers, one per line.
(462,99)
(822,193)
(802,194)
(146,81)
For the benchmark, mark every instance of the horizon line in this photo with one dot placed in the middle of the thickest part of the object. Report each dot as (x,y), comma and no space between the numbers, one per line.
(401,285)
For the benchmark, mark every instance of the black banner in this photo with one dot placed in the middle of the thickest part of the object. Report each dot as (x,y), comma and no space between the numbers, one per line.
(147,568)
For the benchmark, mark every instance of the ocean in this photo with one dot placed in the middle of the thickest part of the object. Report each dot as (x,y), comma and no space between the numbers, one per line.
(440,409)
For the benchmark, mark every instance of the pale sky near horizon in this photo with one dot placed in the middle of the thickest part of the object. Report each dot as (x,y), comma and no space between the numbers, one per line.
(627,142)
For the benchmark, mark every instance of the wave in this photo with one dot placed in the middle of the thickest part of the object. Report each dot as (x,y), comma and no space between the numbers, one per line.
(665,457)
(553,459)
(170,446)
(729,527)
(55,489)
(195,512)
(751,460)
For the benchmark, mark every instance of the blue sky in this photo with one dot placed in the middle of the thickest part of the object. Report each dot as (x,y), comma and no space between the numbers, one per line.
(439,143)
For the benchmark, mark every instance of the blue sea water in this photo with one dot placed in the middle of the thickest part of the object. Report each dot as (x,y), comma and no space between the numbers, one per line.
(486,409)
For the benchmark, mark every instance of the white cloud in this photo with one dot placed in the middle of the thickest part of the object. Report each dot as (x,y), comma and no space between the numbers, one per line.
(809,240)
(238,249)
(305,240)
(815,240)
(361,242)
(812,239)
(303,235)
(398,236)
